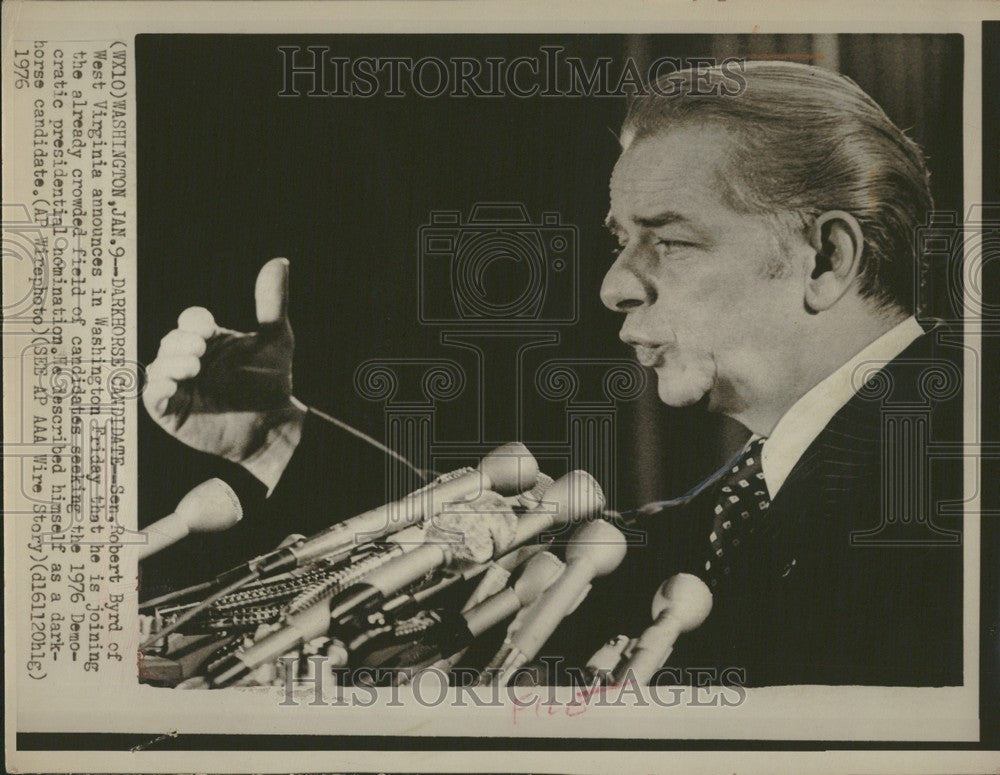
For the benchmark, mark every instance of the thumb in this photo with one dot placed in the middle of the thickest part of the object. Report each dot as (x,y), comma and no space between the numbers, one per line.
(271,292)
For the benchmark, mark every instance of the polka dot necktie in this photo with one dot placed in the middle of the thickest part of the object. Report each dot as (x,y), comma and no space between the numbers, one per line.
(740,502)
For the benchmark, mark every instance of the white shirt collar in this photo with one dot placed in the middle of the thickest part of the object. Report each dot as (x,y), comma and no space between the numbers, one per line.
(802,423)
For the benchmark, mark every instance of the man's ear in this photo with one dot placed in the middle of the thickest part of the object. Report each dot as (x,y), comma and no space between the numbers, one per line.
(837,244)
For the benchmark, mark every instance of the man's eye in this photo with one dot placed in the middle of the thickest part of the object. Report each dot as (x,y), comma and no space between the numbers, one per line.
(669,246)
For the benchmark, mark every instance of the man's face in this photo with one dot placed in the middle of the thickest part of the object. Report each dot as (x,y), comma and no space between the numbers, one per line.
(694,277)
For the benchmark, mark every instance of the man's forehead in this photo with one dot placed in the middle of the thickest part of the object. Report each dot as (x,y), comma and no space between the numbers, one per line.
(677,171)
(687,156)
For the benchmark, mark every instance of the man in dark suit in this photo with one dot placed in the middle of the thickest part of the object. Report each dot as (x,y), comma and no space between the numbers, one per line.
(842,579)
(766,270)
(767,267)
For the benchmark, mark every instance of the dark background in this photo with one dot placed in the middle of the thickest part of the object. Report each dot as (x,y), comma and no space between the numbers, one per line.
(231,175)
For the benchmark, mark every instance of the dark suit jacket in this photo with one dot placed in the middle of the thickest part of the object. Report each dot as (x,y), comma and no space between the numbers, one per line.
(856,576)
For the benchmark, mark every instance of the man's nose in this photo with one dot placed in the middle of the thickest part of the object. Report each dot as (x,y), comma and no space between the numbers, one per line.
(623,289)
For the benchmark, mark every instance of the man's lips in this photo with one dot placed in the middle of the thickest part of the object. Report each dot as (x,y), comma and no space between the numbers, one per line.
(650,356)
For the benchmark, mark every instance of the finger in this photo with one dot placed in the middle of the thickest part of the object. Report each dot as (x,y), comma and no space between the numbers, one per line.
(271,292)
(157,393)
(174,367)
(179,342)
(197,320)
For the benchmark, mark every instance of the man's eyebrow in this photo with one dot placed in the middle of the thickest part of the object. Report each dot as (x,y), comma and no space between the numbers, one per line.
(665,218)
(657,221)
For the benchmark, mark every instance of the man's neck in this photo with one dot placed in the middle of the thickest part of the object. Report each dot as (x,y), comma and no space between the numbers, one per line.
(822,350)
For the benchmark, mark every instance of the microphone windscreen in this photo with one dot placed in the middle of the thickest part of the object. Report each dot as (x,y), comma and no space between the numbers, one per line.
(688,599)
(511,468)
(574,497)
(600,543)
(537,576)
(210,507)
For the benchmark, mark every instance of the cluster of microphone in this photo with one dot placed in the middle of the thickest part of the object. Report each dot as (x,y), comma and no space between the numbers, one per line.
(494,523)
(681,604)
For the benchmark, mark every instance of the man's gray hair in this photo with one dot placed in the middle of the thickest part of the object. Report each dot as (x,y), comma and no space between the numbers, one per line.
(804,140)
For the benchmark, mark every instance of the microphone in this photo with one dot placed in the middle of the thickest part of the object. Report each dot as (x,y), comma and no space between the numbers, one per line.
(680,605)
(457,630)
(469,532)
(601,665)
(529,498)
(496,576)
(576,497)
(570,499)
(539,573)
(508,470)
(594,550)
(210,507)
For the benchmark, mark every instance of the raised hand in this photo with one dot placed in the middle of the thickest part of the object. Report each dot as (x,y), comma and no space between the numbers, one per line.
(226,392)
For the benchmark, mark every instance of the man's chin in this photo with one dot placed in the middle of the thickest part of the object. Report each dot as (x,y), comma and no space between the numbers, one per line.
(680,393)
